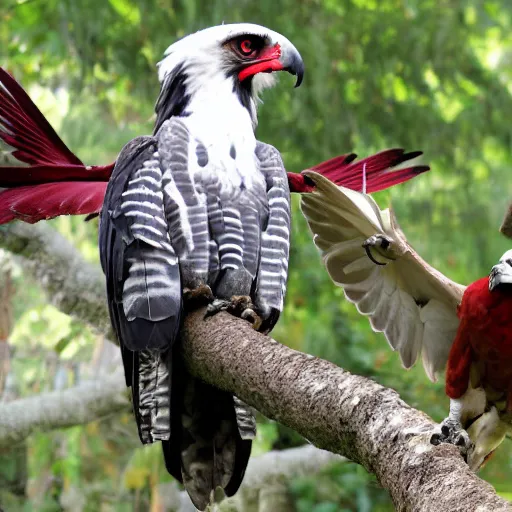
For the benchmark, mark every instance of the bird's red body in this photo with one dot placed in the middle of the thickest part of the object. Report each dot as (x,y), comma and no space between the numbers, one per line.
(484,340)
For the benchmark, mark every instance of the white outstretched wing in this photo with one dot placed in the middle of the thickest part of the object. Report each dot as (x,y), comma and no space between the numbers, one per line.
(413,304)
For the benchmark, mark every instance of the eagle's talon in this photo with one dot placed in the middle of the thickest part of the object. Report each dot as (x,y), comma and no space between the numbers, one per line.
(194,298)
(216,306)
(252,317)
(451,432)
(239,305)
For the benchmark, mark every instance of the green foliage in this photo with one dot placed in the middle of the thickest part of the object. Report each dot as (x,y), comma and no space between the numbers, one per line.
(340,487)
(423,74)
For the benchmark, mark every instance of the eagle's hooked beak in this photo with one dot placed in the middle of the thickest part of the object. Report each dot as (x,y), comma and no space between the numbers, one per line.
(276,58)
(500,274)
(293,63)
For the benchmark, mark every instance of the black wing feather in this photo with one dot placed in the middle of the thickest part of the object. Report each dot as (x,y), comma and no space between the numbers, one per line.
(119,245)
(141,227)
(125,249)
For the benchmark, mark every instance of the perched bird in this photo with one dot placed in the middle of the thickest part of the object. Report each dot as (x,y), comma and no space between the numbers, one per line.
(199,212)
(422,312)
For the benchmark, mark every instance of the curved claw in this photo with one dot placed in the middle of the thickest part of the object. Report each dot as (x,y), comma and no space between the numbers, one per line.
(451,432)
(239,305)
(252,317)
(216,306)
(378,241)
(194,298)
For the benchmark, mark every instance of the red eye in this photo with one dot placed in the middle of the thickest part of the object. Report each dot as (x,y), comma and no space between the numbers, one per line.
(246,47)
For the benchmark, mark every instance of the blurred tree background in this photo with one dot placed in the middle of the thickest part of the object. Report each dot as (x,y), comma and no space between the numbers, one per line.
(434,75)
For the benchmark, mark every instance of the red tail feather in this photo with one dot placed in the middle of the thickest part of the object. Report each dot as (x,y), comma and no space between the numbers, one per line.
(334,164)
(41,202)
(56,182)
(377,170)
(37,174)
(372,165)
(389,179)
(31,134)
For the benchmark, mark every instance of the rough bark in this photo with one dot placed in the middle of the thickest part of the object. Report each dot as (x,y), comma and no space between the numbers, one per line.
(337,411)
(59,409)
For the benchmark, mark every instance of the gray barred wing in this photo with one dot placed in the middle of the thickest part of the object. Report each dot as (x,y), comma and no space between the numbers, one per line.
(275,239)
(140,264)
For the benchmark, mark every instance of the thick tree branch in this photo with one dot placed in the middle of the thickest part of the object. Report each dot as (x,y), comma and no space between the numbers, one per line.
(58,409)
(73,286)
(337,411)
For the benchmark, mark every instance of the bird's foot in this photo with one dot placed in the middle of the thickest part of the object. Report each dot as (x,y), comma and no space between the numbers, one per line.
(239,305)
(382,246)
(195,298)
(451,432)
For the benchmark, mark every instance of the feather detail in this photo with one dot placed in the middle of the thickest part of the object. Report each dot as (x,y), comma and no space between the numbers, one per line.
(414,305)
(23,126)
(377,172)
(42,175)
(41,202)
(14,176)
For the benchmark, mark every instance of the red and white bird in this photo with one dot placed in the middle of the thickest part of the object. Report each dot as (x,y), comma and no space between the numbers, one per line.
(422,312)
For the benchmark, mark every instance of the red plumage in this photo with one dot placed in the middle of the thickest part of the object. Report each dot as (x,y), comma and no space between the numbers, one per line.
(56,182)
(42,202)
(30,133)
(484,338)
(349,174)
(37,174)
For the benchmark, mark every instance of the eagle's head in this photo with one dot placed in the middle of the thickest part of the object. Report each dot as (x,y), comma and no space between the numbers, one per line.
(501,274)
(236,59)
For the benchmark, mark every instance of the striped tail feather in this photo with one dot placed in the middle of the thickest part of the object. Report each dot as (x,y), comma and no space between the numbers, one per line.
(207,448)
(43,178)
(245,419)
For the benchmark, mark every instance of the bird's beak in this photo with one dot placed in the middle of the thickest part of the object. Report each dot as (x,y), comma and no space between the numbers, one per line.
(276,58)
(293,63)
(501,274)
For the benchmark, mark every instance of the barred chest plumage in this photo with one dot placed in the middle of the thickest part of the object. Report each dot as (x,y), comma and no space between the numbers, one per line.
(226,211)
